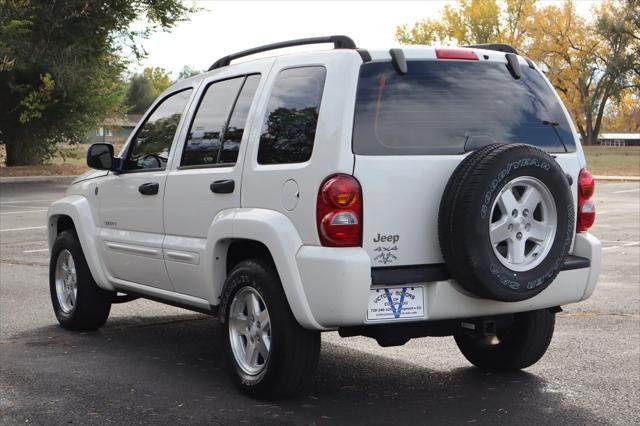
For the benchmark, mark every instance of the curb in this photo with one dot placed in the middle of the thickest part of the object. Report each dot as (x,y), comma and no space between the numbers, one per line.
(27,179)
(618,178)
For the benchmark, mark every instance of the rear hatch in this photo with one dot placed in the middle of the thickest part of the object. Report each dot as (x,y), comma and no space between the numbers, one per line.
(412,130)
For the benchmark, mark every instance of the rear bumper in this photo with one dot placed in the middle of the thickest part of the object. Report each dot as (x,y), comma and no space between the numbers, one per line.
(336,283)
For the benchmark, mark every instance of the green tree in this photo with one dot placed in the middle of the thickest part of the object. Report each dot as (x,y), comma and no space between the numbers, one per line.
(139,94)
(187,72)
(590,62)
(160,79)
(60,72)
(144,88)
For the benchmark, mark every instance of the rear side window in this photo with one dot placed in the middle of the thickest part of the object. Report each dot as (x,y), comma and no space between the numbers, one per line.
(289,129)
(235,128)
(439,106)
(151,145)
(216,131)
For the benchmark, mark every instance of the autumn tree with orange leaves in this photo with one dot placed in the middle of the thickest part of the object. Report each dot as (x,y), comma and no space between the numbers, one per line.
(594,62)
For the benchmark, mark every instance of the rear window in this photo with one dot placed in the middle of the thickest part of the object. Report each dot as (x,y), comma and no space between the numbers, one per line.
(439,106)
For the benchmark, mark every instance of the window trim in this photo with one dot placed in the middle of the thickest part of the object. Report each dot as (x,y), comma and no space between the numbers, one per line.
(224,128)
(264,115)
(207,166)
(131,142)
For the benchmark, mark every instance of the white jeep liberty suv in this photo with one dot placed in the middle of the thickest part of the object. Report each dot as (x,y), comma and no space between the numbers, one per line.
(396,194)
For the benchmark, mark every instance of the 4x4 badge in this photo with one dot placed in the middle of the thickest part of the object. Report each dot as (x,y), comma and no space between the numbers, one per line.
(385,254)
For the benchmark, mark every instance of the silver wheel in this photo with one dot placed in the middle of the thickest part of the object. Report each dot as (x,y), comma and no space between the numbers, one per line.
(249,331)
(523,223)
(66,281)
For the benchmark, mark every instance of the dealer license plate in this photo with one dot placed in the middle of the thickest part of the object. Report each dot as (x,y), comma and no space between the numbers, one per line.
(395,303)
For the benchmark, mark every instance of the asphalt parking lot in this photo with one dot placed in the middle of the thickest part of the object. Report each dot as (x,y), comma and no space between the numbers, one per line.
(154,364)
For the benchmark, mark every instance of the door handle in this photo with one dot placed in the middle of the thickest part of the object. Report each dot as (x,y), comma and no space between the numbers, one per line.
(225,186)
(150,188)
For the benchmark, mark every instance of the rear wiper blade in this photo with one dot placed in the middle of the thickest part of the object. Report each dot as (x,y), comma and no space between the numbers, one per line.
(555,124)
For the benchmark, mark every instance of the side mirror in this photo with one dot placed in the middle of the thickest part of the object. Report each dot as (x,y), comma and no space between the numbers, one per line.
(100,156)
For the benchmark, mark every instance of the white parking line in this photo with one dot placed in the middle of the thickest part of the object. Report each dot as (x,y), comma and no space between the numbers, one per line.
(22,229)
(23,211)
(26,201)
(630,244)
(626,190)
(35,251)
(20,206)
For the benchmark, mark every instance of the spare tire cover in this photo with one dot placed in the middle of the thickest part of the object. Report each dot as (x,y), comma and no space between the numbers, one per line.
(506,222)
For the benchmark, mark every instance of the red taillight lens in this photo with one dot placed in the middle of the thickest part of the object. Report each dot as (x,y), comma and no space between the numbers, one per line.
(339,212)
(586,184)
(449,53)
(586,207)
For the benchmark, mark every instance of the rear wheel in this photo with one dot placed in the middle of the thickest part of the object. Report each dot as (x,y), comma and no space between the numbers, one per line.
(514,347)
(270,355)
(78,303)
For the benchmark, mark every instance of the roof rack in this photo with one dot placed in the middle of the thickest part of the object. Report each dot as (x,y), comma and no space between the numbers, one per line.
(339,42)
(500,47)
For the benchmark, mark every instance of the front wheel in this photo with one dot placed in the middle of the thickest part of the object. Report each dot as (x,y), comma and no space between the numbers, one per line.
(78,303)
(514,347)
(270,355)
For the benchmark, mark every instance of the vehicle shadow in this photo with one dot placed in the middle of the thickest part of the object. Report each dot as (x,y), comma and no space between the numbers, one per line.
(171,371)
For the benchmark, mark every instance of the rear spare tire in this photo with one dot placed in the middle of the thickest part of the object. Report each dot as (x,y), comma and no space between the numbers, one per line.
(506,222)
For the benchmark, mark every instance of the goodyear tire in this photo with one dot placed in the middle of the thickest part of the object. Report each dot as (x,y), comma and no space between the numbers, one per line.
(270,356)
(506,222)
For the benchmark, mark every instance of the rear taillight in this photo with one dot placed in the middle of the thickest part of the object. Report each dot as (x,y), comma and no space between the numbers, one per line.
(586,207)
(451,53)
(339,212)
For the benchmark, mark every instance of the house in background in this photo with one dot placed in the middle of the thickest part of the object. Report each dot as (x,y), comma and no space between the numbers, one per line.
(619,139)
(115,130)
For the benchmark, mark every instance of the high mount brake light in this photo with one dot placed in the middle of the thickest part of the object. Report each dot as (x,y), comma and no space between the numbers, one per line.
(339,212)
(451,53)
(586,207)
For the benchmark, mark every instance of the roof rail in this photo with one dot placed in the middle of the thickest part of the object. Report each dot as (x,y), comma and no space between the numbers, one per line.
(500,47)
(339,42)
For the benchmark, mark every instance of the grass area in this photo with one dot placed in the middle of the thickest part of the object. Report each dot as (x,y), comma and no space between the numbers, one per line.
(71,160)
(613,161)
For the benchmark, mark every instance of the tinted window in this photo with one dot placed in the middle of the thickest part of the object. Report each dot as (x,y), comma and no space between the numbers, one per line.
(205,135)
(235,128)
(151,145)
(439,106)
(289,128)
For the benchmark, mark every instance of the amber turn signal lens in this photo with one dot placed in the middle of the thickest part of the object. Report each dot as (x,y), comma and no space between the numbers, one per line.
(344,199)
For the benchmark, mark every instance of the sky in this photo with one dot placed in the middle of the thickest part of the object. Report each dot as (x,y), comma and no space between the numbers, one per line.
(224,27)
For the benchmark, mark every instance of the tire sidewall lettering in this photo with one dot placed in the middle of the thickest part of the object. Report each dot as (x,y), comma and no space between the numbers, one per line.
(502,174)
